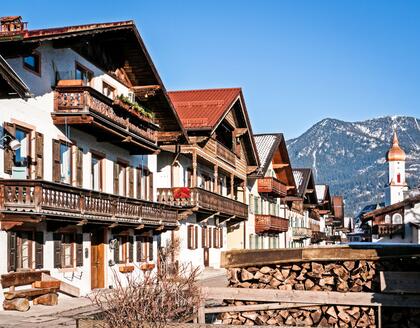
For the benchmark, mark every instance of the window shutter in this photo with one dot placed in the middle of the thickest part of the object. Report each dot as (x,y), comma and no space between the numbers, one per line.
(221,237)
(215,236)
(138,248)
(209,237)
(131,181)
(139,177)
(116,183)
(117,251)
(57,250)
(39,155)
(150,177)
(151,248)
(56,160)
(9,128)
(79,167)
(190,236)
(203,237)
(39,249)
(196,237)
(79,249)
(130,249)
(12,251)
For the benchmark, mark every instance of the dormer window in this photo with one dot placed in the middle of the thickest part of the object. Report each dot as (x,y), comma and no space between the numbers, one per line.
(83,74)
(33,63)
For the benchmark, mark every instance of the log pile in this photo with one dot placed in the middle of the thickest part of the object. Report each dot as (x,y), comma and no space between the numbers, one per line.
(318,316)
(345,276)
(341,276)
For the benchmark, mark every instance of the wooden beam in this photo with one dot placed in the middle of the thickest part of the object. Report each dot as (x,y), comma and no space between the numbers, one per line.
(239,132)
(279,165)
(312,297)
(251,169)
(113,225)
(255,307)
(65,287)
(139,227)
(21,278)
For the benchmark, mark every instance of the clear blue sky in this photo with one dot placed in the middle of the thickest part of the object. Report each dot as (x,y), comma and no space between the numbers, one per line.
(297,61)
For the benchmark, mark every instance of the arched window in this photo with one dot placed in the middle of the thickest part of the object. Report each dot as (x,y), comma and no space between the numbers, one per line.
(397,218)
(388,219)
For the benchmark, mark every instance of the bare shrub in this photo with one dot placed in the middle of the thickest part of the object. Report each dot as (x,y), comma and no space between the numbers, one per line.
(169,294)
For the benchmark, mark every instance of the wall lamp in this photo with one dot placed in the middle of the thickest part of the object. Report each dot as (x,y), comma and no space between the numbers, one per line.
(8,141)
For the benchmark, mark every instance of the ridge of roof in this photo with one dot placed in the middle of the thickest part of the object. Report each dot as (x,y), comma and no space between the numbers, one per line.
(205,89)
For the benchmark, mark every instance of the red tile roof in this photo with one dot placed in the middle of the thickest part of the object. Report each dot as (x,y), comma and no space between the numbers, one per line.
(203,109)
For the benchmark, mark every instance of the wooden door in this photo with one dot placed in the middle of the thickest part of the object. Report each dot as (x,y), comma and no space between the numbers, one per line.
(206,256)
(97,259)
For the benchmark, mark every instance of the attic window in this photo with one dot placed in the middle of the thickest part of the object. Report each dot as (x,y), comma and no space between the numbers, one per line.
(33,63)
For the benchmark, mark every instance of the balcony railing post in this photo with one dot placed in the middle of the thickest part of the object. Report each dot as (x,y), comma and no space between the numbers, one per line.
(38,197)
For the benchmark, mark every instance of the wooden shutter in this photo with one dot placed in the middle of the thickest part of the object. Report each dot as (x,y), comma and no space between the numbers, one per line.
(57,250)
(150,177)
(139,250)
(12,251)
(215,236)
(79,249)
(209,237)
(139,177)
(117,251)
(79,167)
(150,248)
(131,181)
(190,236)
(56,160)
(9,128)
(39,155)
(195,237)
(130,249)
(116,182)
(39,249)
(221,237)
(203,237)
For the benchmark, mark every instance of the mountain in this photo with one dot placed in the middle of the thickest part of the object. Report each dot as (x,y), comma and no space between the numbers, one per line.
(350,156)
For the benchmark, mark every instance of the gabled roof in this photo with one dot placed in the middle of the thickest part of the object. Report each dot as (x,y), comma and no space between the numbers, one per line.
(271,147)
(11,85)
(410,201)
(111,46)
(203,109)
(304,180)
(321,192)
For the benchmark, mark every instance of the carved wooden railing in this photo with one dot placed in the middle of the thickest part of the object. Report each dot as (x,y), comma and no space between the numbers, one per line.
(271,185)
(225,154)
(49,198)
(301,232)
(205,200)
(270,223)
(83,100)
(387,229)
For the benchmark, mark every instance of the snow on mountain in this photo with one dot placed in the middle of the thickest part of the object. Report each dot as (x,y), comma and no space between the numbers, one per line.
(350,156)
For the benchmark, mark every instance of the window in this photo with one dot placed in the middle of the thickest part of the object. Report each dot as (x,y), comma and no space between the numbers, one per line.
(65,163)
(144,248)
(108,91)
(120,179)
(24,250)
(68,250)
(82,73)
(397,218)
(218,237)
(96,172)
(192,236)
(33,63)
(22,154)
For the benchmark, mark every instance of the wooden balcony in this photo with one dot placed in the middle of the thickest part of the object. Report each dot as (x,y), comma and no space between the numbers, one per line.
(301,233)
(38,198)
(225,154)
(272,186)
(388,230)
(204,200)
(109,120)
(270,224)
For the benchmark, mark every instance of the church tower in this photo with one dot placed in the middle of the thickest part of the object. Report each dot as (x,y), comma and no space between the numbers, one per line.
(396,174)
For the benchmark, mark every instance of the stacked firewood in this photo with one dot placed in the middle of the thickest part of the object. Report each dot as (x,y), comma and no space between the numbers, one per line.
(353,276)
(319,316)
(341,276)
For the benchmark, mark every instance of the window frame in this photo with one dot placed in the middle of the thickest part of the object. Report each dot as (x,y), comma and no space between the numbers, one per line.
(109,87)
(37,69)
(72,246)
(29,134)
(100,157)
(83,68)
(19,255)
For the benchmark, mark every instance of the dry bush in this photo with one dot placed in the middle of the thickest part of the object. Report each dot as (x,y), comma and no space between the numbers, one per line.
(168,295)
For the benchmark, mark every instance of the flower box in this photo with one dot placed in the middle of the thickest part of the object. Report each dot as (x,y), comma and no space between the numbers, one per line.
(126,268)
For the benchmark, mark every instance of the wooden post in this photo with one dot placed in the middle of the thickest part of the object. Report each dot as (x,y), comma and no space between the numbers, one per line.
(201,314)
(1,297)
(216,179)
(194,167)
(380,316)
(232,181)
